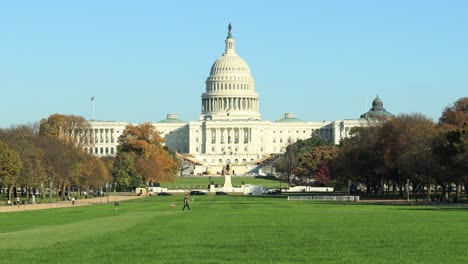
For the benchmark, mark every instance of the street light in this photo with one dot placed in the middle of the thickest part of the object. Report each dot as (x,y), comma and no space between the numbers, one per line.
(50,189)
(81,183)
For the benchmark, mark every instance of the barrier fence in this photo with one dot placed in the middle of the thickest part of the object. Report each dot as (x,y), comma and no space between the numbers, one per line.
(351,198)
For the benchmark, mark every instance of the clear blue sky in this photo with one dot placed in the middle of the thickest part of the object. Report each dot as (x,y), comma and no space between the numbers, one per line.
(144,59)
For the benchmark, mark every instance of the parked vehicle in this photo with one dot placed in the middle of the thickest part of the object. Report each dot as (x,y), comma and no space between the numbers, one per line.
(221,193)
(197,193)
(273,192)
(164,194)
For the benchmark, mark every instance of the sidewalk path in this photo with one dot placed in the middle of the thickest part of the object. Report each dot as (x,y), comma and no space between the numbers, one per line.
(80,202)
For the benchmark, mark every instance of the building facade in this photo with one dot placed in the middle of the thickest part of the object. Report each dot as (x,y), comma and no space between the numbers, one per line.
(230,129)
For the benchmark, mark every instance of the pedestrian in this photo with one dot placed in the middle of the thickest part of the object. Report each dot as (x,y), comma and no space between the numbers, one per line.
(73,200)
(186,202)
(17,201)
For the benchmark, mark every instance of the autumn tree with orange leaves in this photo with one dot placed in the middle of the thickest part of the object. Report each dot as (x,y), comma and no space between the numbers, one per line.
(93,173)
(152,160)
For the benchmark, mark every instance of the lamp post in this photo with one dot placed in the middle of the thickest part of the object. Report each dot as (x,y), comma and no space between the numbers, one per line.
(407,190)
(349,186)
(50,189)
(81,184)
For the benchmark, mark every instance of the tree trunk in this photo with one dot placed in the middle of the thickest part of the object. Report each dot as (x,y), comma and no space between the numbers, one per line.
(466,190)
(50,191)
(9,192)
(429,191)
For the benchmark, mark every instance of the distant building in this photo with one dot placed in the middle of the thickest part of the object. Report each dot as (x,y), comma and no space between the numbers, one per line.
(230,129)
(377,110)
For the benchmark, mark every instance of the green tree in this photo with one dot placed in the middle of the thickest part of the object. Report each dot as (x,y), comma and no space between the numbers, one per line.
(290,160)
(67,128)
(456,115)
(124,171)
(451,147)
(359,160)
(10,166)
(312,161)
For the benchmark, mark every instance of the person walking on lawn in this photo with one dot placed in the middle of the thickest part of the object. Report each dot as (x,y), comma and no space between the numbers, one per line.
(186,202)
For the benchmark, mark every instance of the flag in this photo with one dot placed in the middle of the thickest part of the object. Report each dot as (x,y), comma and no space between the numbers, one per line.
(92,98)
(173,205)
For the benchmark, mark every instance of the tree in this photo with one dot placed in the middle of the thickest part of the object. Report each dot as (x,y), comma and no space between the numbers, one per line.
(152,161)
(455,115)
(359,160)
(10,166)
(313,160)
(124,171)
(23,139)
(450,146)
(68,128)
(94,173)
(289,161)
(406,145)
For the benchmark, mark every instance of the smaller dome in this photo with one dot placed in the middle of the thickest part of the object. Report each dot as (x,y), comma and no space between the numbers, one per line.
(377,110)
(171,118)
(289,118)
(377,103)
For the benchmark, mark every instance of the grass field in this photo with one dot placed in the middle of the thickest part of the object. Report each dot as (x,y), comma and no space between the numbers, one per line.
(203,181)
(235,229)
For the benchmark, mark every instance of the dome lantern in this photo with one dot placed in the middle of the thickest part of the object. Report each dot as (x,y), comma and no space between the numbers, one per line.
(229,43)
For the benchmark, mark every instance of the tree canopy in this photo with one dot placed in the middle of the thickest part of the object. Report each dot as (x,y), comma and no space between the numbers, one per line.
(141,149)
(10,166)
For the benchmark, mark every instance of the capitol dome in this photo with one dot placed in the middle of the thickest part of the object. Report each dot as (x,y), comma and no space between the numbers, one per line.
(230,88)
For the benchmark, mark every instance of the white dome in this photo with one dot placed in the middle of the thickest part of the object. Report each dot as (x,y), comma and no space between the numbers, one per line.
(230,88)
(230,65)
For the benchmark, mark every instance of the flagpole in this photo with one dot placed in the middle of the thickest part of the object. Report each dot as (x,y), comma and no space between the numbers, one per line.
(365,108)
(94,109)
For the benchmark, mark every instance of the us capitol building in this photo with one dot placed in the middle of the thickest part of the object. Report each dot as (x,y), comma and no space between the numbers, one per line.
(230,129)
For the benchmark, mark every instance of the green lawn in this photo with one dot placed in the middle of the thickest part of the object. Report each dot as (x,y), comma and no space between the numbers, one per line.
(235,229)
(203,181)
